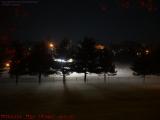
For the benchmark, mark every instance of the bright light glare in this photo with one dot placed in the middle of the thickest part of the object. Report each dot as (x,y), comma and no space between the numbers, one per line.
(70,60)
(64,61)
(60,60)
(75,74)
(124,72)
(51,45)
(7,65)
(147,52)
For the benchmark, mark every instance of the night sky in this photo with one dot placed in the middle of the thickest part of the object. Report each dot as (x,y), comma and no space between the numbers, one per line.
(104,20)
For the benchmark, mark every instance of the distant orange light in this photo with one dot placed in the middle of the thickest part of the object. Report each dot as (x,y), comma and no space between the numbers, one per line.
(51,45)
(7,64)
(99,46)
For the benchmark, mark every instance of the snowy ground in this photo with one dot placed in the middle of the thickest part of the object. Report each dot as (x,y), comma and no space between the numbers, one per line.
(119,98)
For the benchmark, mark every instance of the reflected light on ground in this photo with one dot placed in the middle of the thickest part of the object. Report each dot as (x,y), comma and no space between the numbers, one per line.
(125,72)
(75,74)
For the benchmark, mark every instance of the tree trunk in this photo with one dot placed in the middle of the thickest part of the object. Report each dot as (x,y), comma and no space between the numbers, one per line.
(105,77)
(39,77)
(16,78)
(64,75)
(85,77)
(144,79)
(64,78)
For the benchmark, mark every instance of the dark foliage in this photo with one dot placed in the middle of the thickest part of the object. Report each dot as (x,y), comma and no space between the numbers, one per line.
(147,63)
(40,60)
(1,66)
(104,62)
(85,58)
(19,61)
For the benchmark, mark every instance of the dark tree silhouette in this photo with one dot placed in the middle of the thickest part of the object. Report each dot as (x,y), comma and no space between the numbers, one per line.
(1,65)
(156,61)
(18,61)
(143,64)
(6,52)
(2,60)
(41,60)
(104,61)
(85,57)
(64,54)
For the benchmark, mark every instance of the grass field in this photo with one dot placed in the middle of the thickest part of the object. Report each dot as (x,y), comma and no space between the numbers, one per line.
(119,98)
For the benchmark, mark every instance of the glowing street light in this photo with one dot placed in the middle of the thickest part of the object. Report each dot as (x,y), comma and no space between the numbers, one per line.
(51,45)
(147,52)
(7,65)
